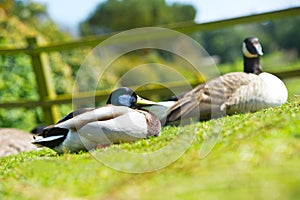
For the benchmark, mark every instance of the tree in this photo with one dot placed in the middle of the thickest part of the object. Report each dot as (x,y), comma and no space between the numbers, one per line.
(35,15)
(21,19)
(285,33)
(117,15)
(274,35)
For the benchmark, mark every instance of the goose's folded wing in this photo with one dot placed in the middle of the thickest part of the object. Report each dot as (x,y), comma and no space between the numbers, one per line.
(98,114)
(205,100)
(194,103)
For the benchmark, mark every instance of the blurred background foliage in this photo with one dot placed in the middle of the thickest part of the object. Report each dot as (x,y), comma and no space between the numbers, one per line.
(21,19)
(115,15)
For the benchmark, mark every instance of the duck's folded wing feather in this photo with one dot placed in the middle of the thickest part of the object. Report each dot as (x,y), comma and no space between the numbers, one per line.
(98,114)
(50,141)
(75,113)
(127,127)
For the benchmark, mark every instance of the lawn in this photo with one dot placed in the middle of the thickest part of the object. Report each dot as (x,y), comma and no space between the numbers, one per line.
(256,156)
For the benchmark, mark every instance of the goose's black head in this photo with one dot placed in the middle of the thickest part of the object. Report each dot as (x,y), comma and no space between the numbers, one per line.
(252,51)
(127,97)
(252,48)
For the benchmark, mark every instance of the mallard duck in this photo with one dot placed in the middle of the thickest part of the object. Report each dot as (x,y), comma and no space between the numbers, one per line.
(120,120)
(235,92)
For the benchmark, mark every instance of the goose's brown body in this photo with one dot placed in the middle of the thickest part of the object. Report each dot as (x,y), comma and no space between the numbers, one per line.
(236,92)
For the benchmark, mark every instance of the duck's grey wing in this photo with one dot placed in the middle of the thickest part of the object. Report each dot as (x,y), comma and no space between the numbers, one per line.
(127,127)
(98,114)
(75,113)
(52,130)
(207,100)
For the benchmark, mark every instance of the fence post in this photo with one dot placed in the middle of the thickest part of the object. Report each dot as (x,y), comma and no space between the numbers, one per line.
(44,82)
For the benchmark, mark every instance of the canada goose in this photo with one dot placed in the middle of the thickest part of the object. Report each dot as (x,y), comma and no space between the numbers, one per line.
(235,92)
(90,128)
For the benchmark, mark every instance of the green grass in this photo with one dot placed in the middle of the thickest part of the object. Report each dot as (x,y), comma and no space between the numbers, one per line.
(257,156)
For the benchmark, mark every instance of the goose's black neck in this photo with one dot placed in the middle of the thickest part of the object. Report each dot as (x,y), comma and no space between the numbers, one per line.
(252,65)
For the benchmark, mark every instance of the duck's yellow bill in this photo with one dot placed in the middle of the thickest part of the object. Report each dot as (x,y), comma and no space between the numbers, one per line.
(144,102)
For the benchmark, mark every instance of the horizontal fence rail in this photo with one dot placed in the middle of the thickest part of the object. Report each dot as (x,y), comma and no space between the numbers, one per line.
(103,94)
(48,99)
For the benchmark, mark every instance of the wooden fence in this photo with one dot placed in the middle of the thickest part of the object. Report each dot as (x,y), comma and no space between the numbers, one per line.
(48,100)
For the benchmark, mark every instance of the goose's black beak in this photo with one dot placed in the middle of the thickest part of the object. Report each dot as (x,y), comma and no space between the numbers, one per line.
(258,49)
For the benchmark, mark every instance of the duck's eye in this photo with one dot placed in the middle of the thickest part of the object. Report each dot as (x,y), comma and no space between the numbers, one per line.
(45,132)
(133,100)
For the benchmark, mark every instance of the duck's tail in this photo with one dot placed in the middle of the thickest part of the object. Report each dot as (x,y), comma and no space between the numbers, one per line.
(51,137)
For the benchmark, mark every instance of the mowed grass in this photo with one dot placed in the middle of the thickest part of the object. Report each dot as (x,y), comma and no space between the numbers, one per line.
(257,156)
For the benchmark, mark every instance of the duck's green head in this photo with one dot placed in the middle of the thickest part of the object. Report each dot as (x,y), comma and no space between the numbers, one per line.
(127,97)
